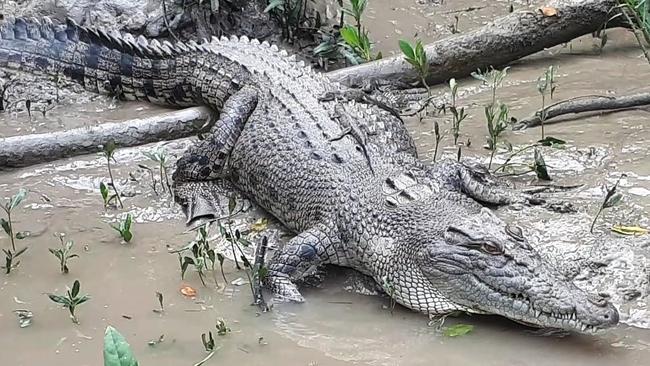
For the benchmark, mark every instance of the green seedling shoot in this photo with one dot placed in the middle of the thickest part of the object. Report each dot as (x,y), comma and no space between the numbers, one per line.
(124,228)
(458,114)
(417,57)
(612,198)
(63,253)
(70,300)
(108,151)
(546,83)
(7,224)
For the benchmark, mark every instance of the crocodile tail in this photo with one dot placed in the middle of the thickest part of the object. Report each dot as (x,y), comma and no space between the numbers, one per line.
(103,62)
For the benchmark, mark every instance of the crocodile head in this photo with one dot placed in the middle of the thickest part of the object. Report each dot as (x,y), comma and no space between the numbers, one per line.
(486,266)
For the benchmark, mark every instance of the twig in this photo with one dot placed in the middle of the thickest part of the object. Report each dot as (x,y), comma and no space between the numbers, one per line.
(258,264)
(169,29)
(584,104)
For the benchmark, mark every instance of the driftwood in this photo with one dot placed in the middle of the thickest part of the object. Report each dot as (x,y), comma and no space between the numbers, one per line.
(21,151)
(506,39)
(589,103)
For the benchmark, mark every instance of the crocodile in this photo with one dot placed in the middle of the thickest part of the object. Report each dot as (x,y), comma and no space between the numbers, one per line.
(341,173)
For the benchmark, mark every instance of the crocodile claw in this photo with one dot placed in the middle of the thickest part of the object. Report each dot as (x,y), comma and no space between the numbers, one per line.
(284,290)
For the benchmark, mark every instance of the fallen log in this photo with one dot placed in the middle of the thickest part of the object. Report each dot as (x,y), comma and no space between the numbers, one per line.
(589,103)
(506,39)
(21,151)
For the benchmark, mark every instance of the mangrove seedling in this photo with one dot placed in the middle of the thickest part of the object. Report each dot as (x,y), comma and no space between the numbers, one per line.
(417,56)
(70,300)
(63,253)
(202,257)
(438,136)
(356,37)
(209,346)
(493,79)
(612,198)
(545,83)
(117,351)
(160,156)
(222,328)
(124,228)
(497,118)
(7,224)
(458,115)
(108,151)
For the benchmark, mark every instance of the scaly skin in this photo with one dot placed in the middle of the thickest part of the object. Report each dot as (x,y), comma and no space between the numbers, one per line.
(342,174)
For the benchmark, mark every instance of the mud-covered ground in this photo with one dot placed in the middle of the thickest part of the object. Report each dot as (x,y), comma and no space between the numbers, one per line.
(338,325)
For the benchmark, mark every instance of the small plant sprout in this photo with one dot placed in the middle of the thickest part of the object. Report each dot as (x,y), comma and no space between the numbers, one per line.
(496,113)
(108,152)
(493,79)
(70,300)
(612,198)
(160,156)
(63,253)
(497,122)
(7,224)
(546,83)
(438,136)
(417,56)
(357,37)
(202,257)
(117,352)
(12,254)
(222,328)
(458,115)
(124,228)
(209,346)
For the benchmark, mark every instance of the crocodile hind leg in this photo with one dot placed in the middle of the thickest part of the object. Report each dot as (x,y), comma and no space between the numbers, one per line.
(478,183)
(198,188)
(300,256)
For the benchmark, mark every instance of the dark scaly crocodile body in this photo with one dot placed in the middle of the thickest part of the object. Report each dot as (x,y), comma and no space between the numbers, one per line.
(343,175)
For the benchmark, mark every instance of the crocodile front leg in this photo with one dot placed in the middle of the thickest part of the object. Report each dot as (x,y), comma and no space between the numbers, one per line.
(310,249)
(206,159)
(197,187)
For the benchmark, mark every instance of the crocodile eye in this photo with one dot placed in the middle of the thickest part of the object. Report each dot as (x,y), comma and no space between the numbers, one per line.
(515,231)
(491,248)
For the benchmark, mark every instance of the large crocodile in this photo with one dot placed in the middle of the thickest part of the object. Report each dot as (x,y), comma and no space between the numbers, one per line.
(343,174)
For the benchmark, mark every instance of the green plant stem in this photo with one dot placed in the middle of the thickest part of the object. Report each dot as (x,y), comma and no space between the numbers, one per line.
(542,116)
(593,223)
(635,30)
(505,163)
(11,231)
(110,174)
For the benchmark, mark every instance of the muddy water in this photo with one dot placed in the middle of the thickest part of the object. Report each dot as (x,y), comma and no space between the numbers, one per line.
(337,326)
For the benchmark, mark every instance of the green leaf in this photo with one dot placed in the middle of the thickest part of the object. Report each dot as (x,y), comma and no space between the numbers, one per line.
(613,200)
(458,330)
(17,198)
(350,36)
(117,352)
(19,252)
(5,225)
(59,299)
(75,288)
(407,50)
(104,191)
